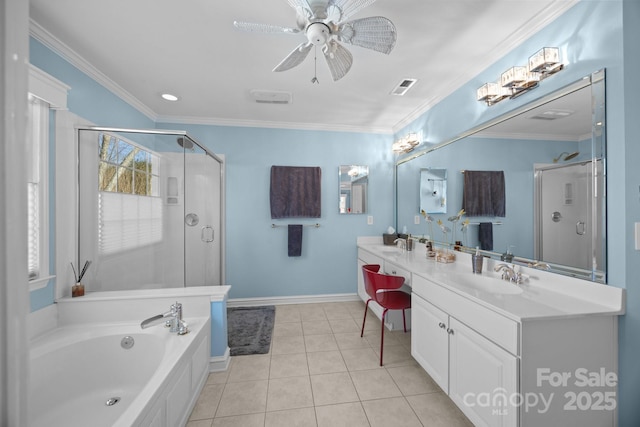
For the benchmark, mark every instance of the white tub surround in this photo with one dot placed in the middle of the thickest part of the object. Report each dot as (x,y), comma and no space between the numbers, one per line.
(76,369)
(159,388)
(540,353)
(137,305)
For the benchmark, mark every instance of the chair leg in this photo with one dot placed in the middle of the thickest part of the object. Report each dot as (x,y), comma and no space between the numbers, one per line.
(382,334)
(404,321)
(366,306)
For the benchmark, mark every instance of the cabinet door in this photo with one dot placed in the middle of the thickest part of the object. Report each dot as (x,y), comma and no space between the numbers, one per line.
(483,378)
(429,340)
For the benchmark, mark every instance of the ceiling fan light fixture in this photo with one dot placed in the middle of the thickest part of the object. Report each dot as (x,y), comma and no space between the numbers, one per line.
(326,25)
(318,33)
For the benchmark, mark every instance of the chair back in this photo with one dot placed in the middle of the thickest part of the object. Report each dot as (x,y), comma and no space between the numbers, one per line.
(375,281)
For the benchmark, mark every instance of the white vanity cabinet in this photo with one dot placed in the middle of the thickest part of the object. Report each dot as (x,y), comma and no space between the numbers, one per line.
(464,363)
(541,354)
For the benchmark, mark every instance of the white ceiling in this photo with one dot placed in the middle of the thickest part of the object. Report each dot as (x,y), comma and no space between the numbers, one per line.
(143,48)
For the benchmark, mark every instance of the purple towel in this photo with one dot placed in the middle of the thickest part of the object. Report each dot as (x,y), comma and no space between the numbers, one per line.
(295,192)
(484,193)
(295,240)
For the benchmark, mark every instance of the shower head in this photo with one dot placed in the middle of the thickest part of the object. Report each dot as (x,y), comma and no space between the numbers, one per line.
(568,156)
(185,143)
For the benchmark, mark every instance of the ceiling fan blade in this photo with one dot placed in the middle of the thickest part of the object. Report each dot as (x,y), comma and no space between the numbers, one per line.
(348,8)
(375,33)
(338,58)
(264,28)
(295,57)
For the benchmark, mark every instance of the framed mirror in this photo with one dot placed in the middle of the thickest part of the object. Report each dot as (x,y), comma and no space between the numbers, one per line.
(433,190)
(353,191)
(558,132)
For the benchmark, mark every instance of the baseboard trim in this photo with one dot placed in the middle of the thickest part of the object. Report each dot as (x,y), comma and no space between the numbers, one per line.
(301,299)
(220,363)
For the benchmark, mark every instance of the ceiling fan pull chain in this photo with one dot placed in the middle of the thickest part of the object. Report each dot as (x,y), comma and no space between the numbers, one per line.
(315,66)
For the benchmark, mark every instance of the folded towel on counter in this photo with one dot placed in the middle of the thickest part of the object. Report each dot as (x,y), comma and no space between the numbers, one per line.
(295,240)
(484,193)
(485,236)
(295,192)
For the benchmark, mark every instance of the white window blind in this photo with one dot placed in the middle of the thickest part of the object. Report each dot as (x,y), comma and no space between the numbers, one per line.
(37,174)
(33,223)
(128,221)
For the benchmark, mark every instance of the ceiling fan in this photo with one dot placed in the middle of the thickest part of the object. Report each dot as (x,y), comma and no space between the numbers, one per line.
(324,23)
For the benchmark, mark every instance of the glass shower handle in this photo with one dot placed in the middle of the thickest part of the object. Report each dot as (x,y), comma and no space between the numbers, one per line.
(580,228)
(207,234)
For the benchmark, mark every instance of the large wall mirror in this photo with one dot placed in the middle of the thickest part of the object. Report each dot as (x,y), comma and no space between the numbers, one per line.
(354,183)
(552,153)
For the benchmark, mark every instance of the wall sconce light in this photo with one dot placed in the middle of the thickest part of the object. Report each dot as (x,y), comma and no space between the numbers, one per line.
(519,79)
(406,144)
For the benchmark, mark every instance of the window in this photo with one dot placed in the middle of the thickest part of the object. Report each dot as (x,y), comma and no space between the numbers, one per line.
(129,206)
(37,189)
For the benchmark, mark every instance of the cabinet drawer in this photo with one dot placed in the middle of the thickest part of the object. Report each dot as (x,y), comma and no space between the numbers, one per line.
(391,268)
(490,324)
(369,258)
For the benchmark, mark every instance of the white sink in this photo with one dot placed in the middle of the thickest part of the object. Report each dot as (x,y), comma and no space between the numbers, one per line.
(487,283)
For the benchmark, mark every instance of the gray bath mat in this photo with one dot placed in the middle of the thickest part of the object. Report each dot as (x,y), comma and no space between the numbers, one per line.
(250,329)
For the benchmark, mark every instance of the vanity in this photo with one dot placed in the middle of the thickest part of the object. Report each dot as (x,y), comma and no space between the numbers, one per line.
(539,353)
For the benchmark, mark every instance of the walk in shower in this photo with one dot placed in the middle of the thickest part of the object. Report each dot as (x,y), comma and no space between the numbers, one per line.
(150,210)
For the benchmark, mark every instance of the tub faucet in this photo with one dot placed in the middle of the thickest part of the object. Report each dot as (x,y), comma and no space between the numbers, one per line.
(173,320)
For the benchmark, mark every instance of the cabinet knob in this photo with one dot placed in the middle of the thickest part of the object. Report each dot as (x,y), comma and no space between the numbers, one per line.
(450,331)
(442,325)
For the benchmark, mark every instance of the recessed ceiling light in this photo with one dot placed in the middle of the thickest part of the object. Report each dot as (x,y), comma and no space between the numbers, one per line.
(169,97)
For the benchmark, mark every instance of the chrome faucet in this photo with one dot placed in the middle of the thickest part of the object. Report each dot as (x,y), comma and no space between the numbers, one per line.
(402,243)
(509,273)
(173,320)
(540,265)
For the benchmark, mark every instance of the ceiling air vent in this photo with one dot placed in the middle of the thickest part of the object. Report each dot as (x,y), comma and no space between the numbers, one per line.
(270,96)
(403,87)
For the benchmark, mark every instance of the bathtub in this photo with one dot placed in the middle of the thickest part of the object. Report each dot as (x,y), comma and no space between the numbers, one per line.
(83,375)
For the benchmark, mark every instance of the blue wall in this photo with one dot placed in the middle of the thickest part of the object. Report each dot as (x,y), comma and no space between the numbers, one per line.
(257,261)
(591,36)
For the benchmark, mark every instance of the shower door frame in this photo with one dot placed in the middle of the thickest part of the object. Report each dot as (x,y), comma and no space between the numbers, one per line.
(167,132)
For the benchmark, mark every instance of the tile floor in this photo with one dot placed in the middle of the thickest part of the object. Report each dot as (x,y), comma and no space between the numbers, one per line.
(319,372)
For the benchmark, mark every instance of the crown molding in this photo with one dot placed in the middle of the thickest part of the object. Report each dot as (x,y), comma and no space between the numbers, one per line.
(535,24)
(50,41)
(532,136)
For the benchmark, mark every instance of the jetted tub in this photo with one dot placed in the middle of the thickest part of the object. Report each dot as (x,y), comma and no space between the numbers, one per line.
(86,375)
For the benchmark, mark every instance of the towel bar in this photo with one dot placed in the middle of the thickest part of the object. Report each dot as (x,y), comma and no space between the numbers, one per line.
(316,225)
(494,223)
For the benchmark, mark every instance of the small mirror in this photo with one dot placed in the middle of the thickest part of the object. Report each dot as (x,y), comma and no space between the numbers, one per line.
(354,181)
(433,190)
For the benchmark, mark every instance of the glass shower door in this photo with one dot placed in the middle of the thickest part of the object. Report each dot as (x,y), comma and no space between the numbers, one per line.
(202,210)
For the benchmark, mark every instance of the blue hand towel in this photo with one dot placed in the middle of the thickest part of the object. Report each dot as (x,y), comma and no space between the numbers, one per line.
(485,236)
(295,239)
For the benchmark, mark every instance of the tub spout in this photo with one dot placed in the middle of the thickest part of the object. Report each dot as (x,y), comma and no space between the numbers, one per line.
(153,320)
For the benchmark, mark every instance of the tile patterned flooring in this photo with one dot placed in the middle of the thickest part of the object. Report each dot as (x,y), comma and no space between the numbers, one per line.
(319,372)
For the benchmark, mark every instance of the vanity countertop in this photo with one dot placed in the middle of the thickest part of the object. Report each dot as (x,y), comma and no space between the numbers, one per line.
(544,295)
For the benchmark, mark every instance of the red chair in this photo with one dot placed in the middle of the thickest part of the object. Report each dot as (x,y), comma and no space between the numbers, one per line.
(381,288)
